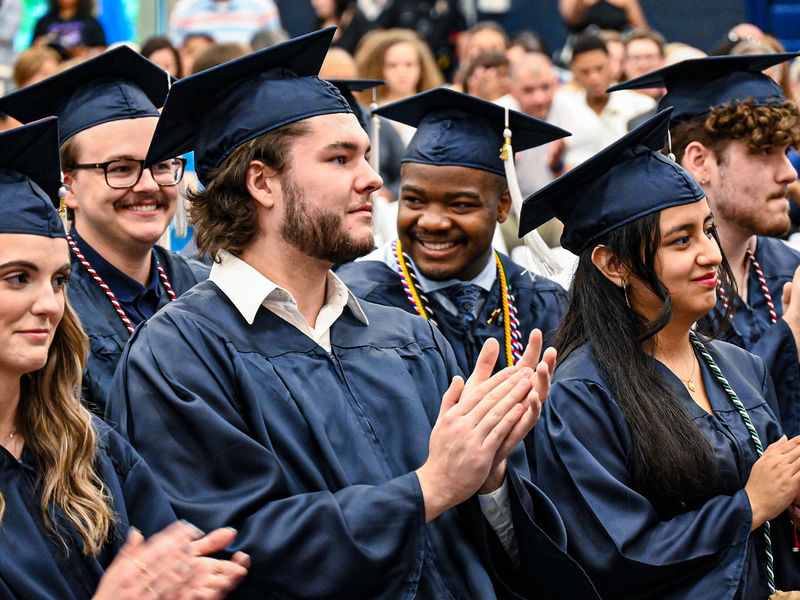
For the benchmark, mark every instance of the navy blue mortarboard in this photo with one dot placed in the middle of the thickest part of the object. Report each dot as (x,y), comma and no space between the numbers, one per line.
(346,88)
(30,177)
(460,130)
(625,181)
(696,85)
(217,110)
(118,84)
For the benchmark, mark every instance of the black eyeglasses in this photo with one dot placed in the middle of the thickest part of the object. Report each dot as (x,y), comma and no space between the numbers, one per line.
(126,172)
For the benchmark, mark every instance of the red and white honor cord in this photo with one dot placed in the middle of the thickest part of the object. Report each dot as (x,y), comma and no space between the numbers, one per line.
(103,286)
(762,282)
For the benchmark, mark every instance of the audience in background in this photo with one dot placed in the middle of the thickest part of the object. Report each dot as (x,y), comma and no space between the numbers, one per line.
(163,53)
(351,23)
(644,52)
(70,25)
(35,64)
(223,20)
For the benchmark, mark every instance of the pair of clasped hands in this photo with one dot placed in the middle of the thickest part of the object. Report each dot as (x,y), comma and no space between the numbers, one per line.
(480,422)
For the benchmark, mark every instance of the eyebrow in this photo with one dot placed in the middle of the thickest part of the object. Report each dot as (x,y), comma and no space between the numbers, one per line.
(686,226)
(31,266)
(351,145)
(448,195)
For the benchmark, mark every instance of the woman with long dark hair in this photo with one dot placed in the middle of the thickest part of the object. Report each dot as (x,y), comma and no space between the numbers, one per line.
(660,448)
(76,501)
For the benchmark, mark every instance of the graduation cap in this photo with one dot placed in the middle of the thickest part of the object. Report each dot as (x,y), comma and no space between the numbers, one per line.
(30,177)
(346,88)
(118,84)
(217,110)
(460,130)
(626,180)
(696,85)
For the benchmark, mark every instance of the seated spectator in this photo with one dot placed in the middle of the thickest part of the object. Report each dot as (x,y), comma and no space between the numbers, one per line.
(438,26)
(265,38)
(70,25)
(216,54)
(76,499)
(485,36)
(403,60)
(616,51)
(161,51)
(223,20)
(191,46)
(351,23)
(644,52)
(524,42)
(592,74)
(618,15)
(35,64)
(487,76)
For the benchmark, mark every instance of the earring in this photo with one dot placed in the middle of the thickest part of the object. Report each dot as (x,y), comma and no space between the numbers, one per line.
(703,181)
(624,282)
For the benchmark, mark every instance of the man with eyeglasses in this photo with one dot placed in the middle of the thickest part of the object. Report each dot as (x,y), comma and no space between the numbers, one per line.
(108,110)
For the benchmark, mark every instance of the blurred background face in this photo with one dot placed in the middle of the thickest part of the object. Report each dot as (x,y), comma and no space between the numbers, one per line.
(165,58)
(592,72)
(485,40)
(401,69)
(534,89)
(642,56)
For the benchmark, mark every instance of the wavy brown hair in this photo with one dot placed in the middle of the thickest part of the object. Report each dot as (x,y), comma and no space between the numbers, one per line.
(371,54)
(58,430)
(223,215)
(758,126)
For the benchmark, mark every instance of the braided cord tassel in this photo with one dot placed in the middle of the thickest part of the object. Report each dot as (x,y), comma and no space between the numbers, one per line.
(722,380)
(405,280)
(513,346)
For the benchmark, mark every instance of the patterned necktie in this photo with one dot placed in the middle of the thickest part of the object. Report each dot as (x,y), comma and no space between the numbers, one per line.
(464,296)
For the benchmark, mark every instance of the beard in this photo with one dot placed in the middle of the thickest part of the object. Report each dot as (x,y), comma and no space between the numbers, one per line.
(317,232)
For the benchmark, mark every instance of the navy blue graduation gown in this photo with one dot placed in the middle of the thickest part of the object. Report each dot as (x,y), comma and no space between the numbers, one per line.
(310,455)
(107,333)
(752,329)
(540,303)
(35,564)
(582,447)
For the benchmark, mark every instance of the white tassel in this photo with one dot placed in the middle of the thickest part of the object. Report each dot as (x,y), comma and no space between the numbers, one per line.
(543,261)
(384,219)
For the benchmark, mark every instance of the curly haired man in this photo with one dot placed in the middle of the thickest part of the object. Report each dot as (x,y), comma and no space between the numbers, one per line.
(731,129)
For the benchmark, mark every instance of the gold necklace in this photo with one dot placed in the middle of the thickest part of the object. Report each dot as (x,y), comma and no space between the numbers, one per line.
(690,382)
(9,438)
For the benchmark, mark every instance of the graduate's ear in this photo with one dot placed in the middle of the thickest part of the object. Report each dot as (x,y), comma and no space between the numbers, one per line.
(503,206)
(69,198)
(699,160)
(610,266)
(263,183)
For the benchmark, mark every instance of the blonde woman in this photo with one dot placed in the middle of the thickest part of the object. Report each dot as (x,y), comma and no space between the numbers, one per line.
(76,501)
(404,61)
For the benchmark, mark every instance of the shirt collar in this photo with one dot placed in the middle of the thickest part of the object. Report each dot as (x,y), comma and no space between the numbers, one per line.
(484,279)
(126,289)
(247,288)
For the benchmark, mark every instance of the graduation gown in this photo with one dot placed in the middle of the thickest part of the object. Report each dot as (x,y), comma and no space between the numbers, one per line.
(35,564)
(752,329)
(107,333)
(582,447)
(540,303)
(310,455)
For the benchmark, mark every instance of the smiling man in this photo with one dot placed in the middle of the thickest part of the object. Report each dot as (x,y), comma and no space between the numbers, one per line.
(108,110)
(303,416)
(731,129)
(453,192)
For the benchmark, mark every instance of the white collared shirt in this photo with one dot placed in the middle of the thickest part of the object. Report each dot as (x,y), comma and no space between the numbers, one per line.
(248,290)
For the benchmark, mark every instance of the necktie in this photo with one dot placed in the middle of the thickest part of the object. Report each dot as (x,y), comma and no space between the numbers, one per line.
(464,296)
